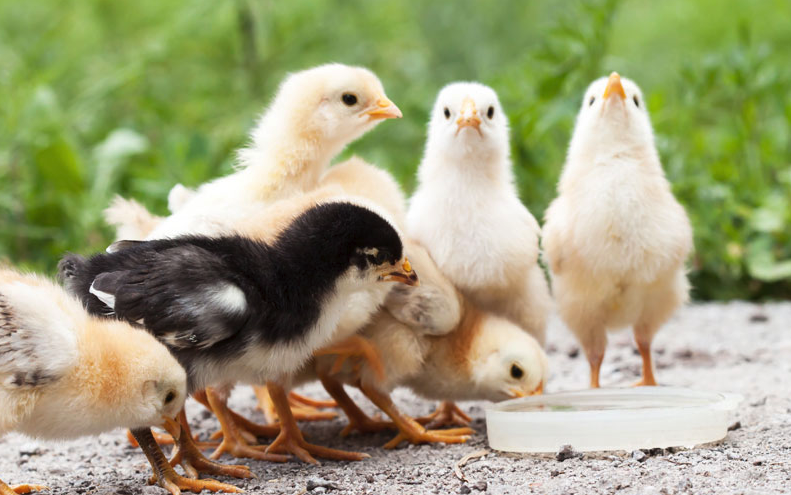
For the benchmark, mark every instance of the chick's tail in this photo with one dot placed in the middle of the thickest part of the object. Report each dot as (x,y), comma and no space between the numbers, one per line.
(130,219)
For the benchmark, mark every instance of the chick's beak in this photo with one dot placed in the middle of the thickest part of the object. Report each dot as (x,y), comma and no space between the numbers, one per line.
(539,390)
(403,273)
(468,117)
(614,87)
(384,109)
(516,393)
(171,426)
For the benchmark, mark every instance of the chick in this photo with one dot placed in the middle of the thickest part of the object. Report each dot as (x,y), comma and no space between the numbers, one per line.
(65,373)
(315,114)
(232,309)
(615,237)
(468,354)
(467,213)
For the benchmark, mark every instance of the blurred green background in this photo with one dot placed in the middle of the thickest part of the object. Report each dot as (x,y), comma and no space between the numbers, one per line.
(101,97)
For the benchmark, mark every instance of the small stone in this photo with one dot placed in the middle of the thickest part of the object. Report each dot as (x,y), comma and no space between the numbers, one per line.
(464,489)
(758,463)
(759,402)
(555,473)
(320,485)
(369,479)
(29,448)
(735,426)
(573,352)
(759,318)
(567,452)
(638,455)
(481,486)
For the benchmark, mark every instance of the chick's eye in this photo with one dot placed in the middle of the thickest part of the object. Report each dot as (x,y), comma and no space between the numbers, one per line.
(490,112)
(516,371)
(447,113)
(381,257)
(349,99)
(590,103)
(636,101)
(170,397)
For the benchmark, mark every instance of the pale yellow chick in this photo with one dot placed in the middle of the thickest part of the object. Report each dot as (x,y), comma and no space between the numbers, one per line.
(65,374)
(616,238)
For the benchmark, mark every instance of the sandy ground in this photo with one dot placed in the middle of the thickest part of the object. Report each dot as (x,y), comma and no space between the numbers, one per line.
(736,347)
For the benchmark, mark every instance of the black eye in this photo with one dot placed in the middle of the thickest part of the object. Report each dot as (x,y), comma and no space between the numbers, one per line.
(349,99)
(490,112)
(590,103)
(636,101)
(516,371)
(447,113)
(170,397)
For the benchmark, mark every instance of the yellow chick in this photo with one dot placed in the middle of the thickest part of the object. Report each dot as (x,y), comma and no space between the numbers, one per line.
(616,238)
(467,354)
(65,374)
(315,114)
(467,213)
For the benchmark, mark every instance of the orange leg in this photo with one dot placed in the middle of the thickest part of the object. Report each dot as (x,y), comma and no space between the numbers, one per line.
(410,430)
(20,489)
(446,414)
(161,438)
(290,439)
(303,408)
(354,346)
(187,453)
(595,343)
(166,477)
(644,346)
(233,442)
(358,420)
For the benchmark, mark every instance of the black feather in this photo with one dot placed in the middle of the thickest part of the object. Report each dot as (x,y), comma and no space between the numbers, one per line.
(166,284)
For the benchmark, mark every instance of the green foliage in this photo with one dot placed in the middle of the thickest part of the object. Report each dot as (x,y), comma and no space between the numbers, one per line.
(99,98)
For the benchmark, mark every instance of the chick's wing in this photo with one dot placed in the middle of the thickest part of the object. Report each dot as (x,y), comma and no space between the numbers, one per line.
(184,295)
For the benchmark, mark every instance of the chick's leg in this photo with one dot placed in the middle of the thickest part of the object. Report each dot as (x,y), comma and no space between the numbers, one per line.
(303,408)
(354,346)
(233,441)
(643,335)
(408,429)
(446,414)
(20,489)
(358,420)
(291,440)
(165,476)
(192,459)
(594,341)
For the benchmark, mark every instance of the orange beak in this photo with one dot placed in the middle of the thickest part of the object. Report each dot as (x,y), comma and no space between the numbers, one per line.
(516,393)
(404,274)
(384,109)
(614,87)
(468,117)
(539,390)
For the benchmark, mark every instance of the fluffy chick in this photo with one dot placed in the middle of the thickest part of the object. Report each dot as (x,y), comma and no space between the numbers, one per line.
(65,373)
(467,354)
(315,114)
(615,236)
(232,309)
(467,213)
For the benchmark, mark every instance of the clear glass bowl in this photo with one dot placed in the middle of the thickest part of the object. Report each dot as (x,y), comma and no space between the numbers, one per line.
(610,419)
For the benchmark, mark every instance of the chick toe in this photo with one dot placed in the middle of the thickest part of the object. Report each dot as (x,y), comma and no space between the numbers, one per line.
(20,489)
(446,414)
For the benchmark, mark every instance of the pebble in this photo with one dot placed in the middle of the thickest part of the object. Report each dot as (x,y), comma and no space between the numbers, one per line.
(638,455)
(481,486)
(567,452)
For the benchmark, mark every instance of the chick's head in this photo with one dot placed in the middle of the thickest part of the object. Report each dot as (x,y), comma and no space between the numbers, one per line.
(134,378)
(336,101)
(613,118)
(507,361)
(357,240)
(468,122)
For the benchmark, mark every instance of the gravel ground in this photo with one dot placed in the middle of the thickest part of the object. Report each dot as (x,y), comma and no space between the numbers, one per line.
(736,347)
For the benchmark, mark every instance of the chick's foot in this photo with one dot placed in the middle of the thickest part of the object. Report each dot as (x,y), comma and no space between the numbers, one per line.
(446,414)
(189,456)
(290,439)
(358,420)
(410,430)
(20,489)
(233,441)
(166,477)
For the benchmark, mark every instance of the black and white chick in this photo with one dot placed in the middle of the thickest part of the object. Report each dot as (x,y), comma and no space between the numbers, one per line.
(232,309)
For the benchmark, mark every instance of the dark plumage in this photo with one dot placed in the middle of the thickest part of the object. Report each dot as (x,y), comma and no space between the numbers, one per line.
(234,309)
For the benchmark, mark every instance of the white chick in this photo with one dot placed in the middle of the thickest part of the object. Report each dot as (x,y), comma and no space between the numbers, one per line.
(615,236)
(65,374)
(315,114)
(469,354)
(467,213)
